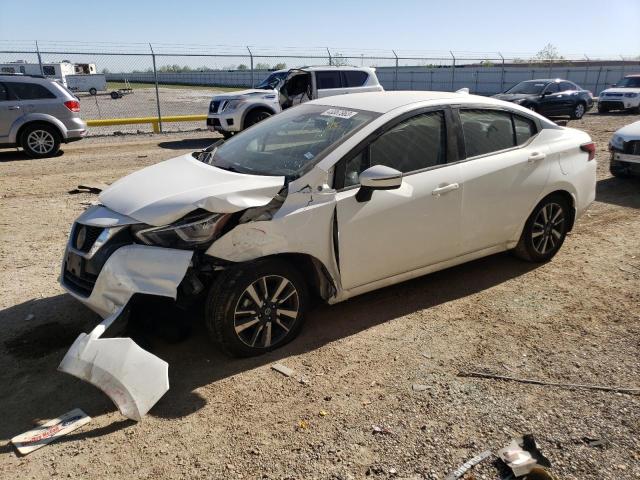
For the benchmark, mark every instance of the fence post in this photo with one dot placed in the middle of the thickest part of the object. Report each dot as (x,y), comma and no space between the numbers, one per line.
(253,84)
(155,78)
(595,92)
(586,71)
(453,71)
(501,74)
(330,62)
(39,59)
(395,74)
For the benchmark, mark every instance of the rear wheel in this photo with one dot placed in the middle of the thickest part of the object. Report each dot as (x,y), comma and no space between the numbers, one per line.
(93,91)
(545,230)
(40,140)
(115,95)
(256,116)
(255,308)
(578,111)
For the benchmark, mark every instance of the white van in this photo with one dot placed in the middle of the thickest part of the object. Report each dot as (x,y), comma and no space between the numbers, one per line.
(93,83)
(233,112)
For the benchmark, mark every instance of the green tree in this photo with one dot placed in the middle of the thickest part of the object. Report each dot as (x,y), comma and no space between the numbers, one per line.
(548,54)
(262,66)
(280,66)
(242,66)
(338,60)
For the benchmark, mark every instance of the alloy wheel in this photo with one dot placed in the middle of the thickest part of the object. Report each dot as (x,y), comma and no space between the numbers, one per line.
(266,311)
(579,111)
(548,228)
(41,141)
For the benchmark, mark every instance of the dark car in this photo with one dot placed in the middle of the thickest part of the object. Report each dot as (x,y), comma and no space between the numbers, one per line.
(550,97)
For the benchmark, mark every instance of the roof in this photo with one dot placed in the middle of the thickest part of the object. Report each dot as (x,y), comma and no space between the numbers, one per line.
(313,68)
(383,102)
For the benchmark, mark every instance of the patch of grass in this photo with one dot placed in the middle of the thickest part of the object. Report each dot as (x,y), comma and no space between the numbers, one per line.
(136,86)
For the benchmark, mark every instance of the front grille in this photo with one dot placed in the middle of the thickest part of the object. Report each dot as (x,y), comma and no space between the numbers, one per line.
(613,95)
(213,122)
(632,148)
(89,233)
(82,285)
(213,106)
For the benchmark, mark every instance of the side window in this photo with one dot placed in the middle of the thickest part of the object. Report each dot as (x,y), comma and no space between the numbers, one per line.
(29,91)
(354,168)
(3,93)
(486,131)
(354,78)
(552,88)
(525,129)
(567,86)
(328,80)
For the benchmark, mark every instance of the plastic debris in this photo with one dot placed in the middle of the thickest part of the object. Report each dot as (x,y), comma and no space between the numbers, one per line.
(381,430)
(522,455)
(469,464)
(286,371)
(418,387)
(50,431)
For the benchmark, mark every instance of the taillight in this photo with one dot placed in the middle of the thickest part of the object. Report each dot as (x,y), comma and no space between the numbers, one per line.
(590,148)
(72,105)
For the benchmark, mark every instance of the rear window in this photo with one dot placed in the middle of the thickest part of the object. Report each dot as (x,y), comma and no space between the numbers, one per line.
(29,91)
(328,80)
(354,78)
(487,131)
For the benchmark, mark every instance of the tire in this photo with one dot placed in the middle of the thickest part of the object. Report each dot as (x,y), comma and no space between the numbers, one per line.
(602,109)
(116,95)
(93,91)
(578,111)
(243,328)
(618,170)
(545,230)
(636,109)
(256,116)
(40,140)
(226,135)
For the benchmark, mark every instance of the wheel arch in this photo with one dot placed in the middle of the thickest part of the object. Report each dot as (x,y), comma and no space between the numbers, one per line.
(256,108)
(566,194)
(40,121)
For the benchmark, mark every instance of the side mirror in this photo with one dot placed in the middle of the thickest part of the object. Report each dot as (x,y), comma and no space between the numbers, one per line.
(378,177)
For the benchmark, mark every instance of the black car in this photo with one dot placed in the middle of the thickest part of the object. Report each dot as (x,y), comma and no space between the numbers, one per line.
(550,97)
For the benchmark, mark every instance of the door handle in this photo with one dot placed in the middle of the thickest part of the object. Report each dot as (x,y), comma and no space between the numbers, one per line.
(536,157)
(14,107)
(444,189)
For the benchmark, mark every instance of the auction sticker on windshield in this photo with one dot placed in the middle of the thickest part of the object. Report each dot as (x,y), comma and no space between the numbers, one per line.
(336,112)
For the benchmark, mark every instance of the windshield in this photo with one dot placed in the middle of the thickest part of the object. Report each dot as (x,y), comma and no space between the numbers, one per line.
(629,82)
(532,88)
(288,144)
(273,81)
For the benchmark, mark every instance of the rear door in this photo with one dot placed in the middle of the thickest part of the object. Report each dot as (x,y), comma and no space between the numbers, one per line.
(400,230)
(505,171)
(34,97)
(329,83)
(10,110)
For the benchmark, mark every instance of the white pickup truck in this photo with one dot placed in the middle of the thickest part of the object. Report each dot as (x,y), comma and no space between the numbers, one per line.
(233,112)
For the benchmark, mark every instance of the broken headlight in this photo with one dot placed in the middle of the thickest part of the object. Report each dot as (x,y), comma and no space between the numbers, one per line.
(192,231)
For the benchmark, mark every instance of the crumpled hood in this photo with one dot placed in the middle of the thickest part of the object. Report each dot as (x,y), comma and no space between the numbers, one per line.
(512,97)
(244,93)
(165,192)
(630,132)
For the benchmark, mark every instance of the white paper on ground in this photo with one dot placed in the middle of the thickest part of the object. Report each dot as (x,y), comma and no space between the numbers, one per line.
(52,430)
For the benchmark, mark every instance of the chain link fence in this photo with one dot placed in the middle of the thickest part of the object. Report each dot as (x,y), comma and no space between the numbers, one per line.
(165,80)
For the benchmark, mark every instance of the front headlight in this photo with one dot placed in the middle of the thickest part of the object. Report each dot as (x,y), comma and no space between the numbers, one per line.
(617,142)
(231,105)
(631,95)
(192,231)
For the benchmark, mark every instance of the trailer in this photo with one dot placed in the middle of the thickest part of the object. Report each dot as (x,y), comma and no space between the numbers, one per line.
(87,83)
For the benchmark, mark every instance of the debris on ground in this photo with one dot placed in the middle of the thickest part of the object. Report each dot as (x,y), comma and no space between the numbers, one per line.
(50,431)
(381,430)
(552,384)
(419,387)
(469,464)
(286,371)
(522,455)
(93,187)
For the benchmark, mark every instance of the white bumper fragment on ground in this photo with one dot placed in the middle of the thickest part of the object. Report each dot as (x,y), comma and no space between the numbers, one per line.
(133,378)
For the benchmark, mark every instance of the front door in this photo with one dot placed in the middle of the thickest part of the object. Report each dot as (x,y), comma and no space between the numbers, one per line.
(401,230)
(10,110)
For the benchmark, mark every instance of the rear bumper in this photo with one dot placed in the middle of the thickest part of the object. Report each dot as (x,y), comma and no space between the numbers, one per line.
(76,130)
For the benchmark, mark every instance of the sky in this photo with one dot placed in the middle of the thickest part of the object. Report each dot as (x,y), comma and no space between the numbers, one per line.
(575,28)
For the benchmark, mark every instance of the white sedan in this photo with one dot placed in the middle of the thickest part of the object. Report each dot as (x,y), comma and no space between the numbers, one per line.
(330,199)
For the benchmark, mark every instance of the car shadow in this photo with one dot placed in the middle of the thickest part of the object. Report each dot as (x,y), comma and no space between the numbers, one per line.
(624,192)
(37,390)
(15,155)
(189,143)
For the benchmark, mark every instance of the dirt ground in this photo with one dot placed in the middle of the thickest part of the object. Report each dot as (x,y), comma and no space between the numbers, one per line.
(574,320)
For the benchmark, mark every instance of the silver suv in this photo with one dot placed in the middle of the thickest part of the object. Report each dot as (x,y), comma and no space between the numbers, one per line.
(38,114)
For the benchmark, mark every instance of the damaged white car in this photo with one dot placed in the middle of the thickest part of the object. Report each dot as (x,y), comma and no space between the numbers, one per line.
(330,199)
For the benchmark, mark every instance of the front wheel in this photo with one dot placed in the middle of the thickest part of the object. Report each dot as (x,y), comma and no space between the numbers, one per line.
(226,135)
(255,308)
(578,111)
(40,141)
(256,116)
(93,91)
(545,230)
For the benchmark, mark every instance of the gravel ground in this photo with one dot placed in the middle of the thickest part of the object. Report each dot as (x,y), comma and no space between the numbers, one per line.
(575,320)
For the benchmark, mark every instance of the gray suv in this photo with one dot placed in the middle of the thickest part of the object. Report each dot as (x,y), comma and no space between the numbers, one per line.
(38,114)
